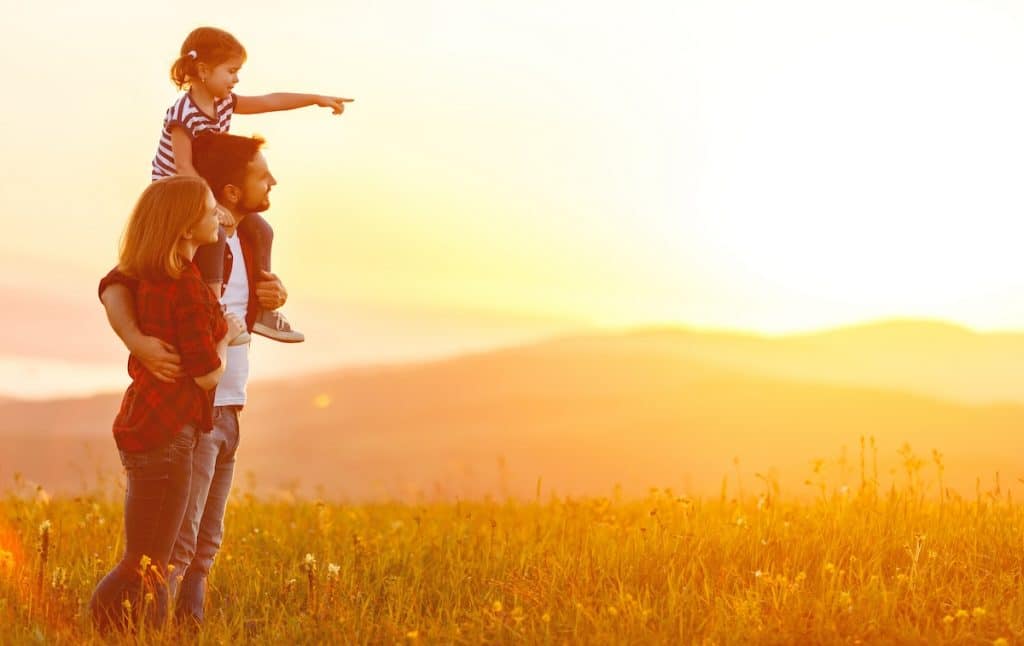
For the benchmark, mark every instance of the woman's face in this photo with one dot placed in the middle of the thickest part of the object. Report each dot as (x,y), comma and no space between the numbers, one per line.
(205,231)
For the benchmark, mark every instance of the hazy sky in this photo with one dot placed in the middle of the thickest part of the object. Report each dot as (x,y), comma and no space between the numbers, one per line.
(522,165)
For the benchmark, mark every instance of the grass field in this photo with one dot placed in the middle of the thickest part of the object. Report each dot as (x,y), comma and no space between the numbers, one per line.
(856,563)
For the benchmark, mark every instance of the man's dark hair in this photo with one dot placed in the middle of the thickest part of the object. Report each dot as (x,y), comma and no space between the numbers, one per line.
(221,159)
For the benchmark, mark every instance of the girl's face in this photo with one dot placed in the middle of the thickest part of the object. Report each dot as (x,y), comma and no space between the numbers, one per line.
(221,79)
(206,229)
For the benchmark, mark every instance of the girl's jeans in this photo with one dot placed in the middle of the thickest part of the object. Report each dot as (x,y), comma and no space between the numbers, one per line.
(154,505)
(210,257)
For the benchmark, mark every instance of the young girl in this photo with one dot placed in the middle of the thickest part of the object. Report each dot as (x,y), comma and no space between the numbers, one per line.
(208,67)
(158,423)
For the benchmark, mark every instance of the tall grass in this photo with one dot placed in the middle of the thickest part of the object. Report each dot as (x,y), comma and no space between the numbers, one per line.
(859,563)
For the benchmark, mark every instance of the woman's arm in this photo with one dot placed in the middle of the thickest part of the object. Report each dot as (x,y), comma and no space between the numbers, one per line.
(286,101)
(210,380)
(234,326)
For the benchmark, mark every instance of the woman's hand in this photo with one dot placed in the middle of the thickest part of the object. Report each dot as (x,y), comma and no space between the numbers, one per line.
(235,326)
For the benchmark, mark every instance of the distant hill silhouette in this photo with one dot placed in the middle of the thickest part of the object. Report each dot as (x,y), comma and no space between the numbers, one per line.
(656,407)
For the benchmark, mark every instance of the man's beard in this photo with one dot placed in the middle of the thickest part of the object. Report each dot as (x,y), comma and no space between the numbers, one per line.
(254,207)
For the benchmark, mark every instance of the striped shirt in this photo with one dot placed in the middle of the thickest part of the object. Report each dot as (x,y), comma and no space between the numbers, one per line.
(186,114)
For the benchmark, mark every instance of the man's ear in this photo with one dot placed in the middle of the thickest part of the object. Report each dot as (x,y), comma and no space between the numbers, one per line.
(231,195)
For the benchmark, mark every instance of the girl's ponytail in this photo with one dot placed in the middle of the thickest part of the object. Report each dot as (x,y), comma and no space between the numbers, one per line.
(184,68)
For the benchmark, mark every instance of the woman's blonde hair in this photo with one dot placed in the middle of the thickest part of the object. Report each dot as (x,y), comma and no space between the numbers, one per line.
(165,211)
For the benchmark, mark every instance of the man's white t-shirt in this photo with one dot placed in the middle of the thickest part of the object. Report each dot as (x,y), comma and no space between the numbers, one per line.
(231,389)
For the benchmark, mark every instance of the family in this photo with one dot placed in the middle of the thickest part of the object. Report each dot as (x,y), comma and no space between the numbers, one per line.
(192,282)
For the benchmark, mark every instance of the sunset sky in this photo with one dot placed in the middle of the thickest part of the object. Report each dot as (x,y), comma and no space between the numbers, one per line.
(511,169)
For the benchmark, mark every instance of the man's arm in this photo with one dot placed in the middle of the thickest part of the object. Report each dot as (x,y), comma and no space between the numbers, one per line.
(157,356)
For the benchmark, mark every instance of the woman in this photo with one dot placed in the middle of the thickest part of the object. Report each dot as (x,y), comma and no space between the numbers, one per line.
(157,425)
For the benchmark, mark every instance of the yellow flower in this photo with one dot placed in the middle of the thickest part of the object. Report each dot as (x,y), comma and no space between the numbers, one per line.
(948,619)
(496,606)
(413,634)
(979,612)
(845,599)
(127,604)
(1001,642)
(149,597)
(546,618)
(830,568)
(962,614)
(613,611)
(144,562)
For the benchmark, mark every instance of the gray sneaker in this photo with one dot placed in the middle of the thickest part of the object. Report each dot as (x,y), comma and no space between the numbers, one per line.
(243,338)
(274,325)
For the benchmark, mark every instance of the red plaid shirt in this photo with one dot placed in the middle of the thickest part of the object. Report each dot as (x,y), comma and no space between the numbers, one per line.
(185,314)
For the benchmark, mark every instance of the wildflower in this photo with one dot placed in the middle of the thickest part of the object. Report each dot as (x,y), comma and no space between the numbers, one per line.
(333,569)
(309,562)
(845,599)
(830,568)
(59,578)
(948,619)
(44,527)
(613,611)
(144,562)
(1001,641)
(800,577)
(978,612)
(170,568)
(412,634)
(149,597)
(546,618)
(962,614)
(127,604)
(758,574)
(496,606)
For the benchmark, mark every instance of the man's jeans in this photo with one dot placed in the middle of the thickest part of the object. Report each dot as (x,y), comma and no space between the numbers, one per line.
(154,505)
(213,464)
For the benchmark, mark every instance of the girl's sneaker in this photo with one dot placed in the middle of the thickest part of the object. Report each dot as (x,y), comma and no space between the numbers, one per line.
(274,325)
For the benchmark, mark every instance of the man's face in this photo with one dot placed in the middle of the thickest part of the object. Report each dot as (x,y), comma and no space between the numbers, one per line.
(256,186)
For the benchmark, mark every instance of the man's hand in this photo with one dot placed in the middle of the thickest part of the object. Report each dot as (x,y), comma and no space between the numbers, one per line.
(158,357)
(335,103)
(271,292)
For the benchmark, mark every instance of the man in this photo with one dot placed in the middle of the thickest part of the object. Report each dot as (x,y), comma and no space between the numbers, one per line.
(240,179)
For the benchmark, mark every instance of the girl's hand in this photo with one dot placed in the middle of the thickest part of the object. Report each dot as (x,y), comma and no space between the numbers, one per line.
(335,103)
(235,326)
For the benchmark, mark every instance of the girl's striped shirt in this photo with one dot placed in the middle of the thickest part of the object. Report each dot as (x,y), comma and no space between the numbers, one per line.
(186,114)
